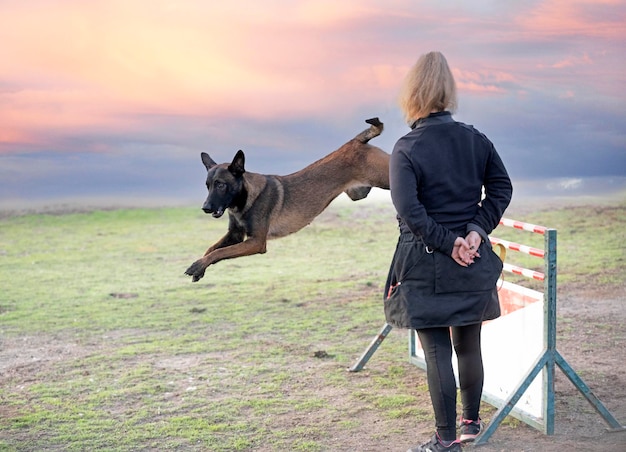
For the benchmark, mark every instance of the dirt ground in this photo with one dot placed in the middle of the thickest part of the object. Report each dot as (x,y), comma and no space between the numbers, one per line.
(592,343)
(591,340)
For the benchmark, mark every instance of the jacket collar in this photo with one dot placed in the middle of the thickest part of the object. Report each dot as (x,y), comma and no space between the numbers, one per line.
(440,117)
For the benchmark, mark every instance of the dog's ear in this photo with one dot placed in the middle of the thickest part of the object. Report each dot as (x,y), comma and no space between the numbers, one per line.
(208,161)
(237,166)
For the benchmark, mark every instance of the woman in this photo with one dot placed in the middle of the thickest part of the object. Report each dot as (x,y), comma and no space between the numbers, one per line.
(442,280)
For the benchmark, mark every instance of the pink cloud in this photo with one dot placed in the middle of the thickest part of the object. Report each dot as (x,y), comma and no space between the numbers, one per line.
(575,17)
(83,64)
(98,65)
(573,61)
(483,81)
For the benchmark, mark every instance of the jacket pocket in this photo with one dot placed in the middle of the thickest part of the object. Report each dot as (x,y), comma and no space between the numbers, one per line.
(405,264)
(482,275)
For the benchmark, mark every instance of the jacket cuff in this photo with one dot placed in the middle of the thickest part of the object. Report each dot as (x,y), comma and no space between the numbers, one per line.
(474,227)
(448,245)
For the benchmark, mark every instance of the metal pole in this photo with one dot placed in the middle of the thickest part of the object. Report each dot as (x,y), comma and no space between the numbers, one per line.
(371,349)
(549,322)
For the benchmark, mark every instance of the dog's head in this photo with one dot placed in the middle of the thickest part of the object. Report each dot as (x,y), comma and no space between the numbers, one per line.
(224,182)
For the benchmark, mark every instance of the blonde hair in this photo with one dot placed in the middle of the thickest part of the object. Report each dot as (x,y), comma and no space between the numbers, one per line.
(428,86)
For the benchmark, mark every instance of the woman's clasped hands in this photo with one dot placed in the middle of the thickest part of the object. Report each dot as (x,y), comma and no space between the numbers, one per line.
(465,250)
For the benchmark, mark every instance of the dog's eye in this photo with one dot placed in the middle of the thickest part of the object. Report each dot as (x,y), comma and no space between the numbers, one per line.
(221,186)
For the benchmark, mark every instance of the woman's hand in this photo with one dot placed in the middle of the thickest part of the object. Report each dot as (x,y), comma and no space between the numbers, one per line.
(474,240)
(466,249)
(461,252)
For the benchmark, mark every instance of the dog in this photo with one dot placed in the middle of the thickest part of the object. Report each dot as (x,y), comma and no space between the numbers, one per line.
(262,207)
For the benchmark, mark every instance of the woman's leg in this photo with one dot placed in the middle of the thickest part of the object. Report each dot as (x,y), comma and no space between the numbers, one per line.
(441,383)
(466,340)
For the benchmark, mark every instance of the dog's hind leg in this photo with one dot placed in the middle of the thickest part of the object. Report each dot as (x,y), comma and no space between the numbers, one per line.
(376,128)
(376,165)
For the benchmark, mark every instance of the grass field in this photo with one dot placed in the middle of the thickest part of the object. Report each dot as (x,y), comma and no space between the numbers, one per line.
(106,345)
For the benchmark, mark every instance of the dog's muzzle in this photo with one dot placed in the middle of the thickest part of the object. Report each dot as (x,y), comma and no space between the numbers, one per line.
(216,213)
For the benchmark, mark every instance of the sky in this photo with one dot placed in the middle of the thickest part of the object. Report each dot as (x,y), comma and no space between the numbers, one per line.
(117,98)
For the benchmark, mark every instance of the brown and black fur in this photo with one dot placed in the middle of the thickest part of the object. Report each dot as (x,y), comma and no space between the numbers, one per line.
(262,207)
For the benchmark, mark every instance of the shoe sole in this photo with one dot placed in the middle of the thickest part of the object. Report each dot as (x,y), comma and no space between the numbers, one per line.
(467,438)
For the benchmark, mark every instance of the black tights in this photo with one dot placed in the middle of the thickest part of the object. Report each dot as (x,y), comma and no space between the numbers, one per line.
(437,347)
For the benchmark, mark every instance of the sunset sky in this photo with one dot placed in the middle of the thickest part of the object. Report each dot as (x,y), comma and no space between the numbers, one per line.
(119,97)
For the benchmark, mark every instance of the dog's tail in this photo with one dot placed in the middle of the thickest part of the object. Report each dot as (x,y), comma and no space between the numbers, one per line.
(376,128)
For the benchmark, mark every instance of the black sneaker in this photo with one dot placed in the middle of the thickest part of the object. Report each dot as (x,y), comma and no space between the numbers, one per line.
(435,445)
(470,429)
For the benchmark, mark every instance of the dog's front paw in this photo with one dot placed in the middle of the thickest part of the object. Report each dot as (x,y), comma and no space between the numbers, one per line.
(196,271)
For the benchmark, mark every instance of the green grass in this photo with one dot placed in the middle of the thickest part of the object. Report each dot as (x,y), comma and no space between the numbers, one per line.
(117,350)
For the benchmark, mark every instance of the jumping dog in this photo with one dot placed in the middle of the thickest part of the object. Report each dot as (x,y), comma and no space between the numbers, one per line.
(262,207)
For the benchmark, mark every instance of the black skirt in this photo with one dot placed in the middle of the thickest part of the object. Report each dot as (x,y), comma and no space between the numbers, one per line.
(427,289)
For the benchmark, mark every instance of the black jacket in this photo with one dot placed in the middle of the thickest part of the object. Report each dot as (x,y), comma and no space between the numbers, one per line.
(437,174)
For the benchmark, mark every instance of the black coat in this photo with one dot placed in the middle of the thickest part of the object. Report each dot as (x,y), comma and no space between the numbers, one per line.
(437,174)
